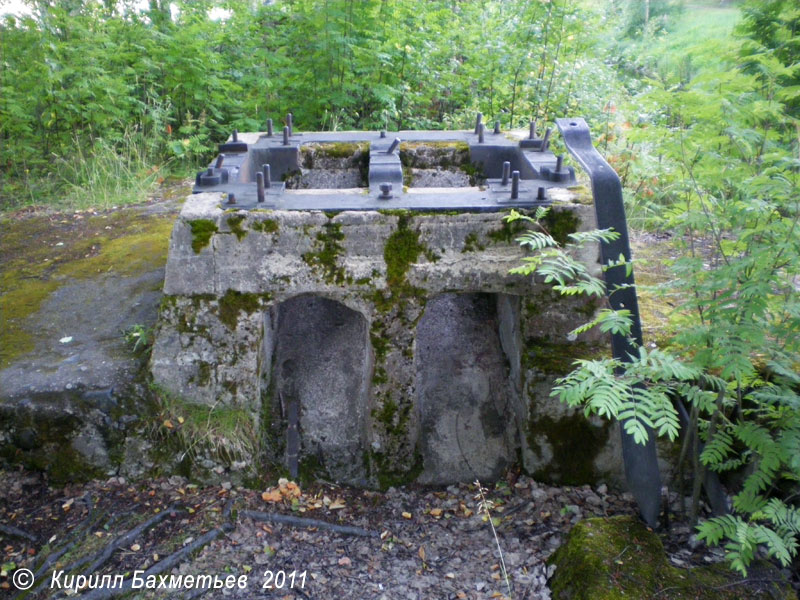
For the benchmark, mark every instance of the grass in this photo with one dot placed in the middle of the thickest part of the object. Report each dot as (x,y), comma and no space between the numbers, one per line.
(109,175)
(226,432)
(103,176)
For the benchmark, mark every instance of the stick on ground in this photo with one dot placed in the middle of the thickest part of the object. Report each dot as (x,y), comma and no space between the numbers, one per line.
(306,522)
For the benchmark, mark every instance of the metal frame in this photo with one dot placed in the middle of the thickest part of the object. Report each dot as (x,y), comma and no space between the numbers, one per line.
(641,462)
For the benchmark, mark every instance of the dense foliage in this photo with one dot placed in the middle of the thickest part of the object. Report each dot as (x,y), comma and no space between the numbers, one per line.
(707,145)
(89,81)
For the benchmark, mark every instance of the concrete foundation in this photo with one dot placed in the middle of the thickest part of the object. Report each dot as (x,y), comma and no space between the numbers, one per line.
(411,352)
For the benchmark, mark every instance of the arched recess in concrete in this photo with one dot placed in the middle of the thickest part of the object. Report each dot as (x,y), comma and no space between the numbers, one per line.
(321,360)
(465,399)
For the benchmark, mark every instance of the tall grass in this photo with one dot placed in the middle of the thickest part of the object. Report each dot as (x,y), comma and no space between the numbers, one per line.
(108,175)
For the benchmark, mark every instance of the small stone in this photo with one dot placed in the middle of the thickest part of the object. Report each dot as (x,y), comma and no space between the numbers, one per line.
(694,542)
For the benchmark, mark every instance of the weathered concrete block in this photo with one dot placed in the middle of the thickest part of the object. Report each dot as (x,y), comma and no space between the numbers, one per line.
(409,348)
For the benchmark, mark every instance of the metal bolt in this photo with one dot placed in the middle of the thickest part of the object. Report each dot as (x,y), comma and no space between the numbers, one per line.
(383,133)
(546,138)
(386,191)
(269,127)
(267,175)
(285,135)
(515,185)
(235,136)
(219,162)
(496,127)
(231,199)
(559,163)
(260,186)
(478,120)
(532,130)
(506,172)
(289,122)
(481,130)
(393,147)
(541,194)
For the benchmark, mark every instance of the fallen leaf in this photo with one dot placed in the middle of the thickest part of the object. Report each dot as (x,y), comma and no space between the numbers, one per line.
(406,515)
(168,424)
(136,547)
(337,504)
(421,553)
(272,496)
(344,561)
(68,504)
(436,512)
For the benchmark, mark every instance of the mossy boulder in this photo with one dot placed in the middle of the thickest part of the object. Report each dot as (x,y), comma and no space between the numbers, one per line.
(619,558)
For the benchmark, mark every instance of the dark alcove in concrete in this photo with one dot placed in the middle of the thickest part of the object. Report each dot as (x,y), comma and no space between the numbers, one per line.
(321,361)
(467,424)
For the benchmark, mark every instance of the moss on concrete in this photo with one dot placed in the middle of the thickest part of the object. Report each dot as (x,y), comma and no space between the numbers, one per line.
(265,226)
(507,232)
(39,254)
(235,224)
(387,473)
(402,249)
(618,558)
(472,243)
(325,258)
(575,444)
(202,230)
(233,302)
(560,223)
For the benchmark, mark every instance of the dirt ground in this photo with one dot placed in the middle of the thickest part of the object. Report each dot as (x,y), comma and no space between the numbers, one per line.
(410,543)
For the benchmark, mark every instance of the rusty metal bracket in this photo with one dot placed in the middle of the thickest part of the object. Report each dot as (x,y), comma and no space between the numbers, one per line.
(641,462)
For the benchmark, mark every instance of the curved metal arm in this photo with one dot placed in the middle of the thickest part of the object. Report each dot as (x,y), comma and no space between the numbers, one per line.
(641,462)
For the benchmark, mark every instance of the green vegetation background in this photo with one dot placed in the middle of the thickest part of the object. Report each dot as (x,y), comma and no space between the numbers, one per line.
(695,106)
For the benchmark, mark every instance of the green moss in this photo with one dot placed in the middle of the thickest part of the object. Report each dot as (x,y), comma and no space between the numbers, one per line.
(230,386)
(575,445)
(507,232)
(472,243)
(235,224)
(202,230)
(340,149)
(325,258)
(43,441)
(233,302)
(475,173)
(204,371)
(618,558)
(40,254)
(555,358)
(310,470)
(402,249)
(388,474)
(560,223)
